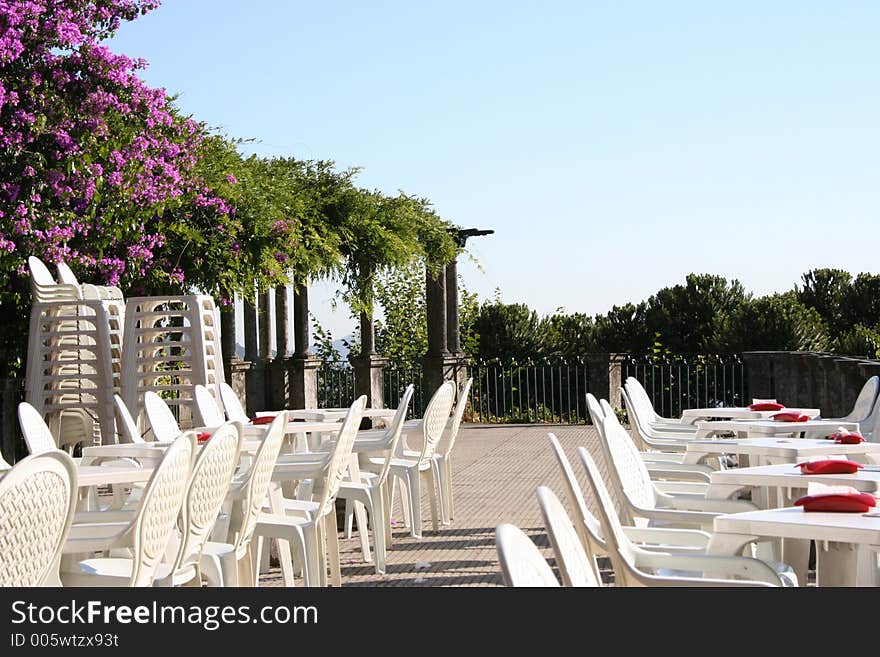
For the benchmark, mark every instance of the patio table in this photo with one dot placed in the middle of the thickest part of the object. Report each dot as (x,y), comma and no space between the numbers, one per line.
(764,451)
(844,552)
(332,414)
(691,415)
(751,428)
(779,485)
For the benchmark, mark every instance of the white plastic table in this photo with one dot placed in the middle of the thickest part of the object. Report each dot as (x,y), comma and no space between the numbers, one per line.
(765,451)
(844,556)
(776,486)
(691,415)
(750,428)
(331,414)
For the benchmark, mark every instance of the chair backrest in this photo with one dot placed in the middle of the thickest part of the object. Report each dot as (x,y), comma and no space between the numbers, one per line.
(865,402)
(435,420)
(340,456)
(574,565)
(256,484)
(127,427)
(640,399)
(160,418)
(65,274)
(619,546)
(447,442)
(206,491)
(521,562)
(232,404)
(392,435)
(35,430)
(597,414)
(206,409)
(627,470)
(40,274)
(37,503)
(158,509)
(589,529)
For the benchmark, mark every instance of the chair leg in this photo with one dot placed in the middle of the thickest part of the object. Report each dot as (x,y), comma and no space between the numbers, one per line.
(377,517)
(432,497)
(333,549)
(361,515)
(386,504)
(415,502)
(349,518)
(447,468)
(312,542)
(437,489)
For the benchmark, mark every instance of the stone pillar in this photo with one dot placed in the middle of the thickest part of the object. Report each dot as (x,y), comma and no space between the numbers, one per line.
(278,375)
(759,375)
(368,378)
(234,367)
(250,331)
(368,335)
(605,377)
(438,364)
(302,368)
(256,375)
(453,337)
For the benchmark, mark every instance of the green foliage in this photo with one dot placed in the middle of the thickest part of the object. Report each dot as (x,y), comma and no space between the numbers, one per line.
(825,290)
(860,341)
(777,322)
(402,336)
(509,332)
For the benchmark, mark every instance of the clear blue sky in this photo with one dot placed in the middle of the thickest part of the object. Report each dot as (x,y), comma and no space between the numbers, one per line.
(614,147)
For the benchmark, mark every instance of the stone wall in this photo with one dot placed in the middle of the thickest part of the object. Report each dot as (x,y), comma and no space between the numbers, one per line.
(808,379)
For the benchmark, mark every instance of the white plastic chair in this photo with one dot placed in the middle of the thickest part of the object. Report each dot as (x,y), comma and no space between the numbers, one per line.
(205,494)
(589,529)
(317,524)
(37,501)
(660,465)
(642,501)
(409,469)
(373,492)
(36,432)
(206,409)
(232,562)
(864,409)
(125,424)
(649,438)
(147,535)
(442,459)
(634,566)
(571,559)
(521,562)
(652,420)
(232,404)
(160,418)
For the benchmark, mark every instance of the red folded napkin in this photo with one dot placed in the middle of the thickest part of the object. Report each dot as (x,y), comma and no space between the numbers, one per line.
(263,419)
(203,437)
(847,437)
(790,417)
(829,466)
(766,406)
(842,502)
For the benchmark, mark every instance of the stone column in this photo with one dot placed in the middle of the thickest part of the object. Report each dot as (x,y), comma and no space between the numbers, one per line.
(256,376)
(439,364)
(235,368)
(453,336)
(250,330)
(605,372)
(302,366)
(278,377)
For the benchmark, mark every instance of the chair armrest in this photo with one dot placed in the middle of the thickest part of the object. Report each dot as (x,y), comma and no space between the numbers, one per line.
(676,517)
(715,506)
(712,565)
(671,487)
(673,538)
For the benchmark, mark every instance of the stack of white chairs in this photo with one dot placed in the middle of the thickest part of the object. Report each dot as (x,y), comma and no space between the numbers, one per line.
(172,344)
(75,351)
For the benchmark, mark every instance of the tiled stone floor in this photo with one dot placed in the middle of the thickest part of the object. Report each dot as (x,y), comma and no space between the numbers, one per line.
(495,473)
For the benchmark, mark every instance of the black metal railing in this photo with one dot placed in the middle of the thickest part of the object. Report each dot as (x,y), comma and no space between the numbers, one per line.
(552,392)
(675,383)
(395,379)
(335,384)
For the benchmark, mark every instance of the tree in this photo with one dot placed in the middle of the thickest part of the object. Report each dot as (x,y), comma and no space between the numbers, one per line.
(509,332)
(825,290)
(778,322)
